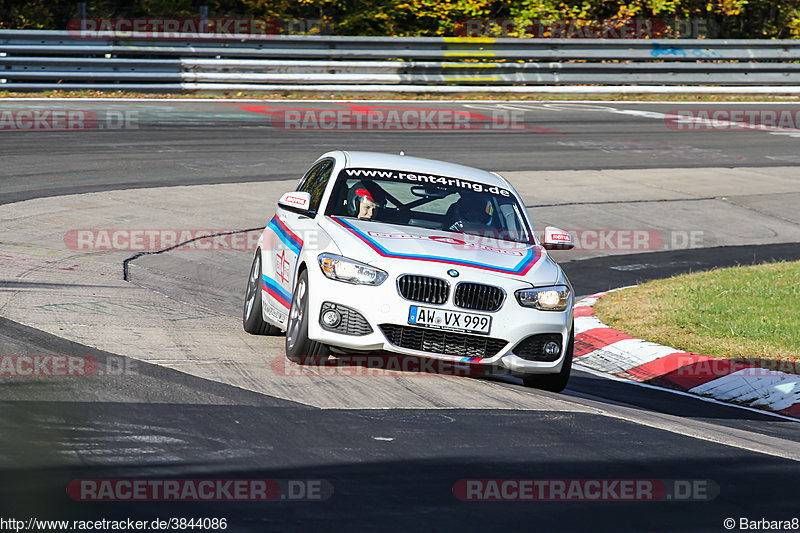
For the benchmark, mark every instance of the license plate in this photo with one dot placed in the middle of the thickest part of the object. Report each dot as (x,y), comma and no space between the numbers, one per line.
(449,320)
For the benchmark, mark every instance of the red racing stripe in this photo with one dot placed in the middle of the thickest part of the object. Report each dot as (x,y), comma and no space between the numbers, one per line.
(275,295)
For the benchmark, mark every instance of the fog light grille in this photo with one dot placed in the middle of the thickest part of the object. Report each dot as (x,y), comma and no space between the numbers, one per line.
(532,348)
(352,323)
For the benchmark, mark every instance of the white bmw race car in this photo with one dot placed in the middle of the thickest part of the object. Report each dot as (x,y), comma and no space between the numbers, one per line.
(388,253)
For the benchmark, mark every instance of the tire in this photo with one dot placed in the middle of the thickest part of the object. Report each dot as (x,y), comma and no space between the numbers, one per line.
(252,318)
(299,348)
(554,382)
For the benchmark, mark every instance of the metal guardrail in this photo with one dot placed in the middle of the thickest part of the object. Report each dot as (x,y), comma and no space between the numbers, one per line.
(56,59)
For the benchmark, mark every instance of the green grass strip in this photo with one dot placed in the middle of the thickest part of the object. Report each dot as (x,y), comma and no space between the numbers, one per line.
(751,311)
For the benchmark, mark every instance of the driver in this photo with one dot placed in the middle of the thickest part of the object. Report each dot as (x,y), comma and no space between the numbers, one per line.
(364,199)
(471,212)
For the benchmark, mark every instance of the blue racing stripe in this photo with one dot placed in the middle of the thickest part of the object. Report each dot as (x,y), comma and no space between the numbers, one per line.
(530,258)
(277,290)
(284,234)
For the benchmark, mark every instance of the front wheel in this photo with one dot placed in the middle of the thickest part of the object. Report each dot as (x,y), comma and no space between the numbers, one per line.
(299,348)
(554,382)
(252,318)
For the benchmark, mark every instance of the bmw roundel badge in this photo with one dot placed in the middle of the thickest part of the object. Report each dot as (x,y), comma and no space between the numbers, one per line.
(453,273)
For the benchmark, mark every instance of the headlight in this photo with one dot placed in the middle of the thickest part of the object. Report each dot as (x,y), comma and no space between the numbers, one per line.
(545,298)
(350,271)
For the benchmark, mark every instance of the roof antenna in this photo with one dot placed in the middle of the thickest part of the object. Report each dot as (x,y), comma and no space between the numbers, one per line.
(402,152)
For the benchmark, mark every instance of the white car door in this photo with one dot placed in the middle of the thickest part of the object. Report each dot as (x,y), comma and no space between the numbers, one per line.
(292,229)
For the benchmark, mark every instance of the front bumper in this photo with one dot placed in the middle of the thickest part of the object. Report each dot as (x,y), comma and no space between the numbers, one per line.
(383,305)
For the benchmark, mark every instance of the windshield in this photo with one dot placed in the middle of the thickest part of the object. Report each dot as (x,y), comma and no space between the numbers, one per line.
(428,201)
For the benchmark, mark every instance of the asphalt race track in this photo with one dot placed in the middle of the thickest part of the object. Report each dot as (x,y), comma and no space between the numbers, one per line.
(181,392)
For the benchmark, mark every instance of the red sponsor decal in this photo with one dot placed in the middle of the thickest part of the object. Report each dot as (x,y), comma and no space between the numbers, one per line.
(296,200)
(474,242)
(283,267)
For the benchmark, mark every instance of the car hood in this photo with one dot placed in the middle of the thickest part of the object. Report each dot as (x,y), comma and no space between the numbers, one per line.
(376,242)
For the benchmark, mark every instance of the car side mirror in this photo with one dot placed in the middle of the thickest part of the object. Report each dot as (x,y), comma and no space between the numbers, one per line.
(557,239)
(295,201)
